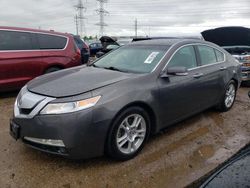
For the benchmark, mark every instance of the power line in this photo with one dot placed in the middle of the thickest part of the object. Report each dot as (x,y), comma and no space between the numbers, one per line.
(136,24)
(101,12)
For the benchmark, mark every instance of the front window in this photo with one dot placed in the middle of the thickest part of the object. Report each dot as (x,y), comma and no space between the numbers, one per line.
(185,57)
(135,59)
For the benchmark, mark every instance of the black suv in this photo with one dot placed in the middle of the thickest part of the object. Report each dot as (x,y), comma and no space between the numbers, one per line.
(84,48)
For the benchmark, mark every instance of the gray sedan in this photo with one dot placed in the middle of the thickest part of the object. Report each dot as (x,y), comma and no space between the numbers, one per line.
(114,105)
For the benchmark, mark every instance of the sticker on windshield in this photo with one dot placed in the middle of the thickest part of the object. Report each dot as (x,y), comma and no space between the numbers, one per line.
(151,57)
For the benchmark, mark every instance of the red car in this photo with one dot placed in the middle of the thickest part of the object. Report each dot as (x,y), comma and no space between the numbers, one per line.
(28,53)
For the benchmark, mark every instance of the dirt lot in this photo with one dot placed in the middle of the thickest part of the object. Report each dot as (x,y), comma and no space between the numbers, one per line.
(174,158)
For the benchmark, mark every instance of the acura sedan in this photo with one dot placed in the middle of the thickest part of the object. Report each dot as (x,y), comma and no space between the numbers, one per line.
(114,105)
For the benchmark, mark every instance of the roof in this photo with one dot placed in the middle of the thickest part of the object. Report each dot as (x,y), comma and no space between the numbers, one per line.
(33,30)
(164,42)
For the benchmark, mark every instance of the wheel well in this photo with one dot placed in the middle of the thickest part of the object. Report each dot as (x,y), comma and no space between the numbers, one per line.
(142,105)
(147,108)
(54,66)
(236,82)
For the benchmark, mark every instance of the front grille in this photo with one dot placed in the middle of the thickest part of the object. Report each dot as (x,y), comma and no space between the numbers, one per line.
(29,104)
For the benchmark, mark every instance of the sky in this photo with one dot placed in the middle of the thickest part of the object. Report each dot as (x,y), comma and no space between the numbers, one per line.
(155,17)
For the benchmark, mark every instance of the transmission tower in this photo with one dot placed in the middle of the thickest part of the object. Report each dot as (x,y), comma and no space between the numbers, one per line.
(79,19)
(102,12)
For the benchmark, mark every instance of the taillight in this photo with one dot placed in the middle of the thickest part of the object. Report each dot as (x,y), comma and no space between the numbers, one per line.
(86,46)
(78,51)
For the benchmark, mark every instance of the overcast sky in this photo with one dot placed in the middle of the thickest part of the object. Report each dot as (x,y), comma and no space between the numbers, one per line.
(155,17)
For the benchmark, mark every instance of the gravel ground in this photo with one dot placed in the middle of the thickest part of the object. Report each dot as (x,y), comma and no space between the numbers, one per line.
(174,158)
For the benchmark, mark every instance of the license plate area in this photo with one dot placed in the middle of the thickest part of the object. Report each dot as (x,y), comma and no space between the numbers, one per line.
(14,130)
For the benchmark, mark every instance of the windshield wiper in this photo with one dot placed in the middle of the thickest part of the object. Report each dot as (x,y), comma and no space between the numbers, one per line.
(93,65)
(114,69)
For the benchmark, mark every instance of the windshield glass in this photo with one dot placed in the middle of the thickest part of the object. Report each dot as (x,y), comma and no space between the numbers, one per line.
(135,59)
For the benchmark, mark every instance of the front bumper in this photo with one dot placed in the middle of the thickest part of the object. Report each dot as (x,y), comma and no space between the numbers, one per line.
(245,72)
(82,138)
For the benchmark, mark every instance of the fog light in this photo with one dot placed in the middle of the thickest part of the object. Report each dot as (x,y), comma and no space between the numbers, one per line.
(49,142)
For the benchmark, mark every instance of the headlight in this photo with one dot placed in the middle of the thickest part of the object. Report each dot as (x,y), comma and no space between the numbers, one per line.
(61,108)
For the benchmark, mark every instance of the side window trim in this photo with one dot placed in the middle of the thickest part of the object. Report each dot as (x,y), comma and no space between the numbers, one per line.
(177,50)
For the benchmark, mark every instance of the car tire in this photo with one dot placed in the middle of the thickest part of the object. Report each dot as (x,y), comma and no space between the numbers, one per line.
(52,69)
(229,97)
(128,134)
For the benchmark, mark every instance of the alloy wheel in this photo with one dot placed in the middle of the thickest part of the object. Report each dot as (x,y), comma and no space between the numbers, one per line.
(131,133)
(230,95)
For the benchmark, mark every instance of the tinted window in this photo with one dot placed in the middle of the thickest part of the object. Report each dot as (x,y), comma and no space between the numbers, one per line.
(219,55)
(51,41)
(78,42)
(207,55)
(185,57)
(12,40)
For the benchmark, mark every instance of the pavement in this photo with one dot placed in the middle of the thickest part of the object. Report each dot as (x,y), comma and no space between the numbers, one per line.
(176,157)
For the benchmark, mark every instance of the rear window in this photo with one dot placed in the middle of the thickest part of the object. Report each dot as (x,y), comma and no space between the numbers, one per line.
(207,55)
(78,42)
(15,40)
(51,41)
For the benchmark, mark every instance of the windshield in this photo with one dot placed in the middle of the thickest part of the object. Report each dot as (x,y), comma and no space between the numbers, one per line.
(135,59)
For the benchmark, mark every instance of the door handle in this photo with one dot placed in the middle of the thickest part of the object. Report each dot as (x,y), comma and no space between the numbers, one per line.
(223,68)
(198,75)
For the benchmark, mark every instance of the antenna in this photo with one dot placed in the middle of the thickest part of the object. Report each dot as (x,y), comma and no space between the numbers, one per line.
(102,12)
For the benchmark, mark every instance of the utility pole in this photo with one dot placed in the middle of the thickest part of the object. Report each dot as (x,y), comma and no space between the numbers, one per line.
(76,21)
(80,18)
(136,27)
(102,12)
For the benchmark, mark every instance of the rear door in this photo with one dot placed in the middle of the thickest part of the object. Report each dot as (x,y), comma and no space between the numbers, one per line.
(212,68)
(54,50)
(18,55)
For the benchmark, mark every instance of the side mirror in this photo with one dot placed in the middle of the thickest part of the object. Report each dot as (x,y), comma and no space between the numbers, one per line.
(178,71)
(99,54)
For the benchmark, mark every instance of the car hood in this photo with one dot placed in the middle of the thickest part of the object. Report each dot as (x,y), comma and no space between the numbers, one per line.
(75,81)
(228,36)
(106,40)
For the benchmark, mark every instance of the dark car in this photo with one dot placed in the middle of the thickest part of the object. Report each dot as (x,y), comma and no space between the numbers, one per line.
(235,40)
(109,43)
(113,106)
(95,47)
(234,173)
(198,37)
(28,53)
(84,48)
